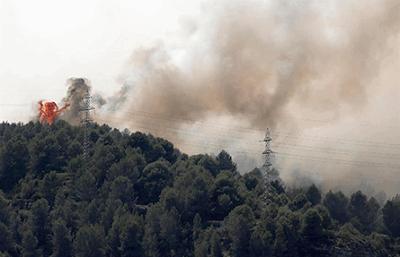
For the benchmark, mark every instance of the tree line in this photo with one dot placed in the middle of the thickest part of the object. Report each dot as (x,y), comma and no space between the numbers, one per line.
(137,195)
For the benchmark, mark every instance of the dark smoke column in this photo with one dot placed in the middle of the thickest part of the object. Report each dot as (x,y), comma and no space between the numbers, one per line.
(77,90)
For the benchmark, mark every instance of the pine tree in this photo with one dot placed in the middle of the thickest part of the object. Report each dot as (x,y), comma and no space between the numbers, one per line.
(215,245)
(90,242)
(14,157)
(62,243)
(261,242)
(29,245)
(170,232)
(313,195)
(197,226)
(131,245)
(315,241)
(114,238)
(40,225)
(240,222)
(201,247)
(151,240)
(336,203)
(286,238)
(391,214)
(6,240)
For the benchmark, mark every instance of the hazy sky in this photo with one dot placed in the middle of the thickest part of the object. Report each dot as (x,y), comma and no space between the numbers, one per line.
(44,42)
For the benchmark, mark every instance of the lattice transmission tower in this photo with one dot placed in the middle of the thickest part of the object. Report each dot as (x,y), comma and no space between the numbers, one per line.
(268,172)
(268,153)
(86,120)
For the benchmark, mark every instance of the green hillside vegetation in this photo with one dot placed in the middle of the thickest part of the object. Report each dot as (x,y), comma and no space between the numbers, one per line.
(137,195)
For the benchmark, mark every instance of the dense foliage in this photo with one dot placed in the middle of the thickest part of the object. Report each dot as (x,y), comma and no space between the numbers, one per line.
(136,195)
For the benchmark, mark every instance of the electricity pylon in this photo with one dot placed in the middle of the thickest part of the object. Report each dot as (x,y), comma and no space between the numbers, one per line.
(268,153)
(86,107)
(269,174)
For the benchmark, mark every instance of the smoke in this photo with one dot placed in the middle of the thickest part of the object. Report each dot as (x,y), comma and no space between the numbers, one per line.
(117,101)
(244,66)
(77,89)
(258,62)
(276,64)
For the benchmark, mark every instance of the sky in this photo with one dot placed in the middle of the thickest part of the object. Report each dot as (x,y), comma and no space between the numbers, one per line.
(45,42)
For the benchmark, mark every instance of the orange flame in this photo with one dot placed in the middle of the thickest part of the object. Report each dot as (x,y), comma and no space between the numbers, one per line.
(48,111)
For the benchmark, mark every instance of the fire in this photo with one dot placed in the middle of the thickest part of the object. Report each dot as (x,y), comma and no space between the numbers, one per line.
(48,111)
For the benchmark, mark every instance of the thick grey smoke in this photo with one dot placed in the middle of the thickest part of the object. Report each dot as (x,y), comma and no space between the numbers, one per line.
(269,64)
(276,64)
(77,89)
(258,61)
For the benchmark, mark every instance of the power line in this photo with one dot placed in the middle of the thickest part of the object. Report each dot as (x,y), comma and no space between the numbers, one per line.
(326,150)
(342,140)
(283,155)
(310,158)
(295,136)
(287,135)
(163,116)
(337,151)
(351,162)
(16,105)
(316,139)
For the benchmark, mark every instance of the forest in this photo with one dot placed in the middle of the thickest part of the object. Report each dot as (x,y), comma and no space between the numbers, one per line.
(134,195)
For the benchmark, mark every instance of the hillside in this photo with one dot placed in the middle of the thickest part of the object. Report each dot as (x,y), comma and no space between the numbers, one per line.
(137,195)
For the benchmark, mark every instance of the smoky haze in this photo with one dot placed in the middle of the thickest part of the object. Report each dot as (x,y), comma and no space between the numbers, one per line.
(244,66)
(252,61)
